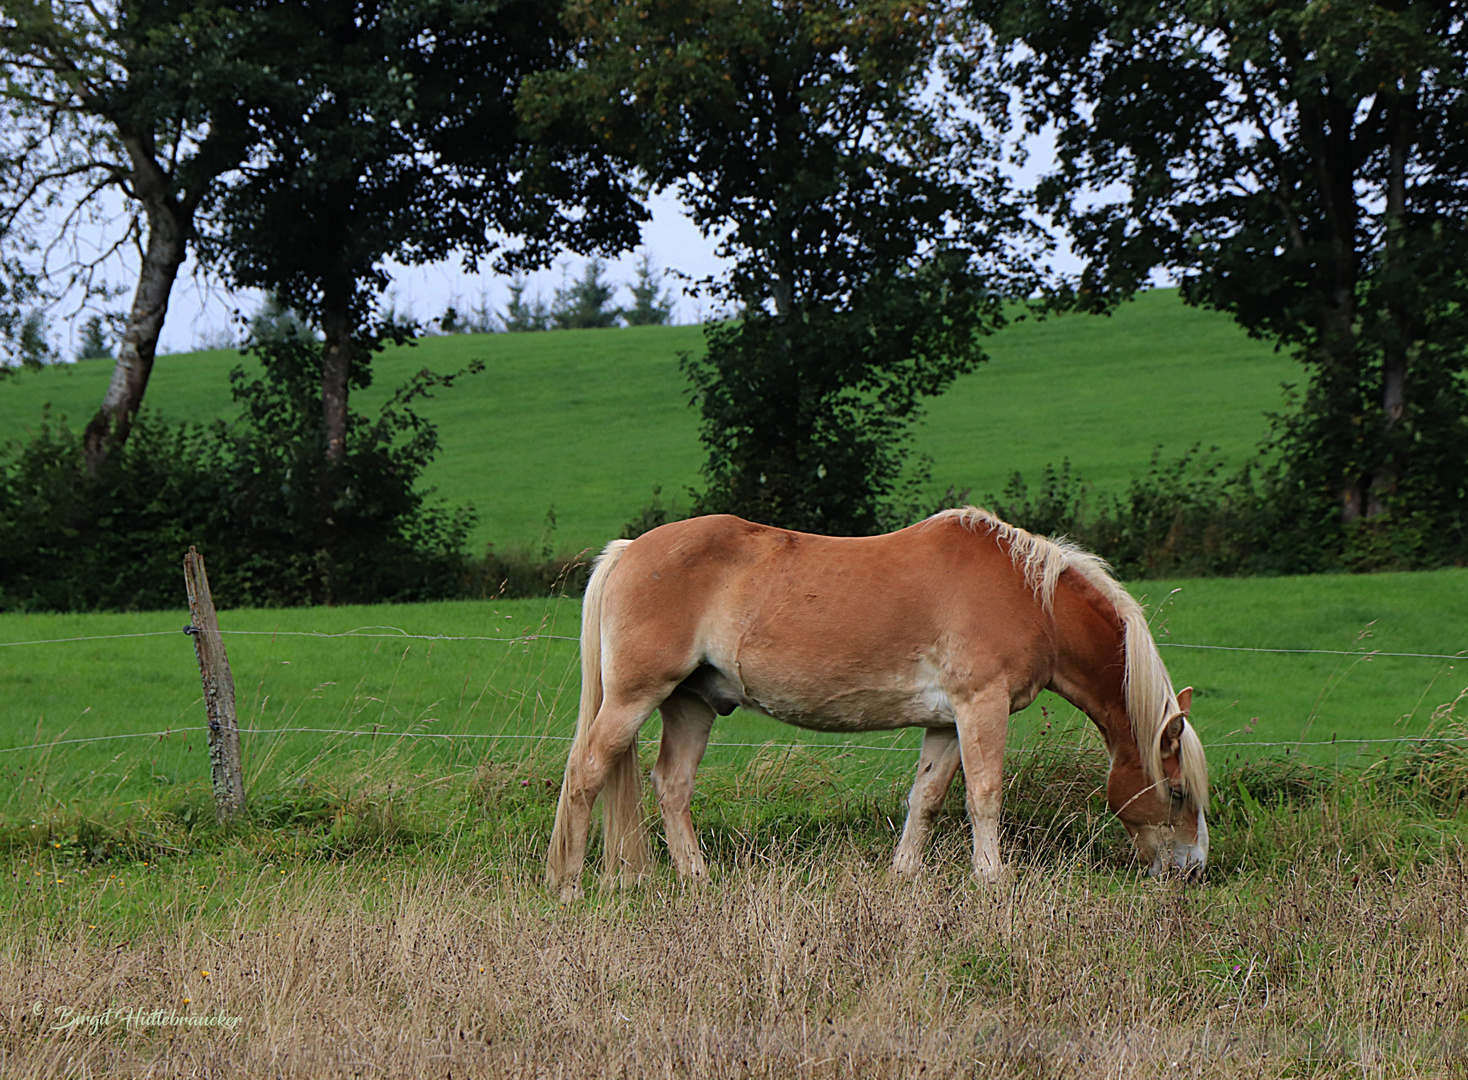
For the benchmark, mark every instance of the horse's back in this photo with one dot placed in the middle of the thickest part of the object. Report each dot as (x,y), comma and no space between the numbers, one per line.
(830,630)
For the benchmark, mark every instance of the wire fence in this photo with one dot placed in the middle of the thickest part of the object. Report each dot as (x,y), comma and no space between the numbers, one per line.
(359,632)
(380,733)
(1365,655)
(398,633)
(510,736)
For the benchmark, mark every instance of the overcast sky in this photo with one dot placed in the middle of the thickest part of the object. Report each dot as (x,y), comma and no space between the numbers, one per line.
(202,312)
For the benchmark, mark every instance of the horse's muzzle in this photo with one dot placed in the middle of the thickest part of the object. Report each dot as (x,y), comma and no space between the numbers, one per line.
(1174,855)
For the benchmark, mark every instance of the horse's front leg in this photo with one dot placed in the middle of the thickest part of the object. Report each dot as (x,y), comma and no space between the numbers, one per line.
(687,720)
(983,725)
(937,763)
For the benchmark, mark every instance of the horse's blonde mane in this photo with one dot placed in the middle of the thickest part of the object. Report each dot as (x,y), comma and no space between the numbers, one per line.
(1150,699)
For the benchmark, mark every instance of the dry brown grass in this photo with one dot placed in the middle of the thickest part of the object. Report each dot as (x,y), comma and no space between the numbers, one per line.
(381,924)
(790,965)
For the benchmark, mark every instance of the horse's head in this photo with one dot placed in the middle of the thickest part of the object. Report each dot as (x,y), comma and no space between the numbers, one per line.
(1165,818)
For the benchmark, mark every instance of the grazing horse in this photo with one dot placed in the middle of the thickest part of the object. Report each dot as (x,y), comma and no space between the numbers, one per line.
(949,625)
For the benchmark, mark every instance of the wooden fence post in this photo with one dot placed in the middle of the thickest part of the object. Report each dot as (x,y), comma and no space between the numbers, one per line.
(224,729)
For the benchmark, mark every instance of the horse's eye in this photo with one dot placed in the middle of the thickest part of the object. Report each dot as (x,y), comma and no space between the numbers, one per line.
(1179,796)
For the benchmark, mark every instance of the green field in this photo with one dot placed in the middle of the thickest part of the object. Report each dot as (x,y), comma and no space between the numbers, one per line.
(405,693)
(383,900)
(588,421)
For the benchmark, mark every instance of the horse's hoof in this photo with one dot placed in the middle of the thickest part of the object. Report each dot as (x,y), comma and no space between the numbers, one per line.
(906,867)
(995,875)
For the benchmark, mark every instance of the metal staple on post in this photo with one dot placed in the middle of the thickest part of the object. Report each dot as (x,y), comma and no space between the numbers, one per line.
(224,731)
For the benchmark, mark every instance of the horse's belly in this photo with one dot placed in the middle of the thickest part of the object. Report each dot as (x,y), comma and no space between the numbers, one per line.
(879,715)
(852,708)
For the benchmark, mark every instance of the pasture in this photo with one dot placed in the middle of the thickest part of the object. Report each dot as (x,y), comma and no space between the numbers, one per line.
(587,422)
(381,911)
(508,668)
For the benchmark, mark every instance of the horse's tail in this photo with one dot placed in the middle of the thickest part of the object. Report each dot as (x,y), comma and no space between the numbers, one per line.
(625,841)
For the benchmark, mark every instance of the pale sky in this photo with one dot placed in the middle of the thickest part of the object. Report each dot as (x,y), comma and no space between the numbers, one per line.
(201,310)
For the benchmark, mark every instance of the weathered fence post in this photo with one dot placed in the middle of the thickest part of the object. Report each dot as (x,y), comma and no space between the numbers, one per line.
(224,729)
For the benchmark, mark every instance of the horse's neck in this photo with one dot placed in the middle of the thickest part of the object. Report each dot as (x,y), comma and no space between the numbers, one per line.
(1091,659)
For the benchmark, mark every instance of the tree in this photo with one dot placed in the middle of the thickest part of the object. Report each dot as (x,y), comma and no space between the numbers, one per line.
(95,345)
(582,305)
(868,230)
(1300,165)
(395,140)
(33,349)
(651,305)
(144,98)
(275,323)
(523,315)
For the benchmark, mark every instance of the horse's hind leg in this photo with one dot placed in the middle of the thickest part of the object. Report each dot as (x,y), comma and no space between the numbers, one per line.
(609,745)
(937,763)
(687,721)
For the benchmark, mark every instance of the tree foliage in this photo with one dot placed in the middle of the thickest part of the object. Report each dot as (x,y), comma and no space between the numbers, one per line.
(864,222)
(33,348)
(522,315)
(246,494)
(805,419)
(584,303)
(652,305)
(1301,165)
(145,98)
(390,136)
(94,344)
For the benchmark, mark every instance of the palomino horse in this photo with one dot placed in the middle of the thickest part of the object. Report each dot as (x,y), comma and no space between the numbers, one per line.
(949,625)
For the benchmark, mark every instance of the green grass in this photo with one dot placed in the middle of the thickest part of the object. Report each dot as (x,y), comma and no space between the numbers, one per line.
(587,422)
(390,684)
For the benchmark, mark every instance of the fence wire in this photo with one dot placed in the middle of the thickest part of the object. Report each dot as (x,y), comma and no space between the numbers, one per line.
(397,633)
(378,733)
(357,633)
(1365,655)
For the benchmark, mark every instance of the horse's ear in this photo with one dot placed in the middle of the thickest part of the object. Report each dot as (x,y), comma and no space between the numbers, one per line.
(1172,735)
(1185,700)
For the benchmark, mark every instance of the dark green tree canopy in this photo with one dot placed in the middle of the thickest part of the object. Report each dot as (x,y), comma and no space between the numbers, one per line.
(391,135)
(1301,165)
(846,193)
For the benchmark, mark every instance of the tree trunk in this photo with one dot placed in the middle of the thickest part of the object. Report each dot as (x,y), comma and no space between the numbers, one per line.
(1398,333)
(170,220)
(336,370)
(1326,135)
(108,429)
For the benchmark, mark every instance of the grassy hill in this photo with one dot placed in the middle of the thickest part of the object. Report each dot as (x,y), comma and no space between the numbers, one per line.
(587,422)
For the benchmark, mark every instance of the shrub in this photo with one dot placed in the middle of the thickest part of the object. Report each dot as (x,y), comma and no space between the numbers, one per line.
(1187,518)
(255,498)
